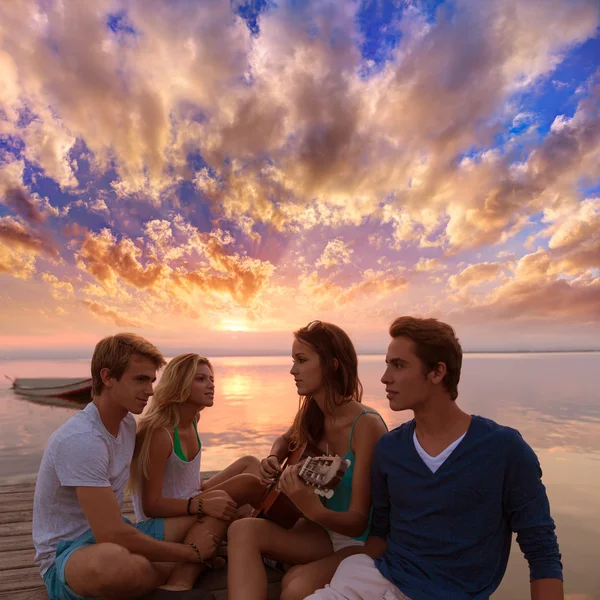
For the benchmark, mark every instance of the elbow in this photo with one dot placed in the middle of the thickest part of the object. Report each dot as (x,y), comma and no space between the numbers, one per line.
(110,536)
(359,527)
(151,510)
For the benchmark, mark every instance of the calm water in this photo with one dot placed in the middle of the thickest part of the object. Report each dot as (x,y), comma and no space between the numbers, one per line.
(553,399)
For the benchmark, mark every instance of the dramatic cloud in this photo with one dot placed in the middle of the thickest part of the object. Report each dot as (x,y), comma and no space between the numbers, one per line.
(166,163)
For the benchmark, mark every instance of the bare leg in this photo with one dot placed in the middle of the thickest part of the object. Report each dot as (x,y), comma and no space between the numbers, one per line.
(244,489)
(183,574)
(246,464)
(303,580)
(111,571)
(250,538)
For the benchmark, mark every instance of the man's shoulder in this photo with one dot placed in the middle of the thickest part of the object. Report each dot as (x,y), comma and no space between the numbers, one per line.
(79,432)
(397,435)
(495,431)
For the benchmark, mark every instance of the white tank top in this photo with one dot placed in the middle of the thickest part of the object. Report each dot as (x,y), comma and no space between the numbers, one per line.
(181,480)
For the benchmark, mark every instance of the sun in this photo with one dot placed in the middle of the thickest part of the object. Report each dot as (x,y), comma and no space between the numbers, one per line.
(233,325)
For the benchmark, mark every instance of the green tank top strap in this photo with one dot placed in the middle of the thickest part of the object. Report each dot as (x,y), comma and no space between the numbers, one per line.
(364,412)
(177,442)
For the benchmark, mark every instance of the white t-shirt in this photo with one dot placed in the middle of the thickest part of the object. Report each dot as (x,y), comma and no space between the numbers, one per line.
(79,453)
(435,462)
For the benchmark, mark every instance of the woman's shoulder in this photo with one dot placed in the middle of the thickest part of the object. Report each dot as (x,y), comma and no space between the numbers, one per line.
(369,421)
(162,438)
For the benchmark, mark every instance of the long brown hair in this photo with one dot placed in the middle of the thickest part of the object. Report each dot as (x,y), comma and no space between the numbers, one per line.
(340,380)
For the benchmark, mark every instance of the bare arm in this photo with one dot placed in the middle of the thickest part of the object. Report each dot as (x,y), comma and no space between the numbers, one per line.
(217,503)
(374,546)
(270,466)
(547,589)
(281,446)
(151,487)
(104,516)
(369,428)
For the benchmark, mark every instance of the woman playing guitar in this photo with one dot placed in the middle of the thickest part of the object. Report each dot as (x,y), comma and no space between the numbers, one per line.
(332,418)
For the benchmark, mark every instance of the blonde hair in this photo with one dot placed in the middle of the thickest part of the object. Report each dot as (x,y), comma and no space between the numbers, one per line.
(115,352)
(173,389)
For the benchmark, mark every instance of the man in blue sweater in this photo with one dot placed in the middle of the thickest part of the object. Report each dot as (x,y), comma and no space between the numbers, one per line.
(448,490)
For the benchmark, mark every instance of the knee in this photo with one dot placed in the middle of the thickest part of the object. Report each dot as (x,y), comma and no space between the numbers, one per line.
(116,568)
(244,531)
(251,461)
(294,586)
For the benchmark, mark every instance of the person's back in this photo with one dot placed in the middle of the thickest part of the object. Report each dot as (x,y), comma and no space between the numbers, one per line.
(77,454)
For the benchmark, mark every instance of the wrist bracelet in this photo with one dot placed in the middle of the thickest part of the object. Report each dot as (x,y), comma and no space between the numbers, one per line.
(189,512)
(200,559)
(200,512)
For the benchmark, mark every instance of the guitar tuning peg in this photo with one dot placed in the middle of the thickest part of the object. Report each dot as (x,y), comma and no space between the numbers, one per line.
(329,494)
(348,463)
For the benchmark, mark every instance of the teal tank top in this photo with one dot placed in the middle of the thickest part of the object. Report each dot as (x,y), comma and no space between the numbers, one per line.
(340,501)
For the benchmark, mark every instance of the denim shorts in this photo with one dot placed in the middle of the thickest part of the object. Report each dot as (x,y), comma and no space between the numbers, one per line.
(54,577)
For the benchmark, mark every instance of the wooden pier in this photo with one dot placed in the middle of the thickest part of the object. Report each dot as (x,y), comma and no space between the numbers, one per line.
(20,578)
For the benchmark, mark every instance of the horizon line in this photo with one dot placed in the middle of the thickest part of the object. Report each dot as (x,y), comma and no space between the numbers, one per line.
(278,354)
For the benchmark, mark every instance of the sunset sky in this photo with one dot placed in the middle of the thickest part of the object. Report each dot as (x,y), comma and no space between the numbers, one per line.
(215,174)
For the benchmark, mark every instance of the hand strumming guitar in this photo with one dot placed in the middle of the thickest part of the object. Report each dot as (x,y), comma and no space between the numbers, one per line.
(269,469)
(303,496)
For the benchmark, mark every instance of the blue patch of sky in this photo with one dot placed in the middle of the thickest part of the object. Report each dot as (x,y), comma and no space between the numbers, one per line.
(195,207)
(378,22)
(250,11)
(556,93)
(118,23)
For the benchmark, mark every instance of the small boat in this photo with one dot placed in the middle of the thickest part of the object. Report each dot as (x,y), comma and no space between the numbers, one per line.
(73,390)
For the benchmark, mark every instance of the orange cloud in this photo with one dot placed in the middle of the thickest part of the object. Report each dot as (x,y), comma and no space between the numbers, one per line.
(112,315)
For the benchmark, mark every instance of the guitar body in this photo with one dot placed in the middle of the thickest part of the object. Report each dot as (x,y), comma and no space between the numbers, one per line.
(276,506)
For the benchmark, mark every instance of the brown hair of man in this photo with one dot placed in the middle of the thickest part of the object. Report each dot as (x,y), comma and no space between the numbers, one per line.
(435,342)
(115,352)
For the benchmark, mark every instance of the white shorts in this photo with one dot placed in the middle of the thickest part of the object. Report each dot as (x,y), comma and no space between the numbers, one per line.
(357,578)
(339,541)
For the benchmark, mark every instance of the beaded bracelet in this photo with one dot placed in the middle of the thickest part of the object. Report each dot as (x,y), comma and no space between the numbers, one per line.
(200,512)
(200,559)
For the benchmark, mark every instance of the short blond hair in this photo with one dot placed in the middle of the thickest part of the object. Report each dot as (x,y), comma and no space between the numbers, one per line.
(115,352)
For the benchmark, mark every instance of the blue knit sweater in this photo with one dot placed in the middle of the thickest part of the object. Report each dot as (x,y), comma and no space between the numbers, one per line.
(449,532)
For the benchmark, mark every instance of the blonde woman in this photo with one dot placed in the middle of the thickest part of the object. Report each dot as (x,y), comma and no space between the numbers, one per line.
(166,462)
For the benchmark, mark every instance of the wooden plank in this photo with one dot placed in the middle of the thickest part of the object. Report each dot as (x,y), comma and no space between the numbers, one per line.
(8,529)
(17,487)
(20,579)
(15,542)
(16,516)
(31,594)
(17,559)
(25,506)
(7,499)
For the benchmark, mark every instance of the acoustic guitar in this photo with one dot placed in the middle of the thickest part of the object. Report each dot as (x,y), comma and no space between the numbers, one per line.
(323,473)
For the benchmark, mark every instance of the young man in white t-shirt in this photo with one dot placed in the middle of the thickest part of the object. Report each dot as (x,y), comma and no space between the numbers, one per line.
(84,547)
